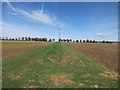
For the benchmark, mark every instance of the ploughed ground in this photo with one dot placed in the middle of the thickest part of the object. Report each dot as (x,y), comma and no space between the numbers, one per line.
(13,48)
(106,54)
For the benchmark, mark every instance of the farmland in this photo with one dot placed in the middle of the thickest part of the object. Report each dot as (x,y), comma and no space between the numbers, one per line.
(13,48)
(59,44)
(54,66)
(106,54)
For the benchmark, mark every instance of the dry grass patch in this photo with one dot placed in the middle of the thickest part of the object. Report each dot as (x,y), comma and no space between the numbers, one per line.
(13,76)
(52,58)
(81,84)
(31,86)
(61,79)
(87,75)
(94,86)
(42,82)
(111,75)
(31,80)
(65,59)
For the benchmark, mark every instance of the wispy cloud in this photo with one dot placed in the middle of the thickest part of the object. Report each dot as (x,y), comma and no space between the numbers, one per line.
(10,5)
(37,15)
(12,13)
(102,35)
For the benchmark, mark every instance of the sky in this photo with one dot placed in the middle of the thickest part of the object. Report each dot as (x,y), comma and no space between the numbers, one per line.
(78,20)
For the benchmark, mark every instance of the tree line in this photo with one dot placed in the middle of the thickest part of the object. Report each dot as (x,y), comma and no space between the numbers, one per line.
(52,40)
(83,41)
(27,39)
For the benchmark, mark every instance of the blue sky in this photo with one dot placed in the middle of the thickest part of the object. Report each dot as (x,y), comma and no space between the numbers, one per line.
(78,20)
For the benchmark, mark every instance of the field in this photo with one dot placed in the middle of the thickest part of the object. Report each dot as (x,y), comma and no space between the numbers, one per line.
(106,54)
(54,66)
(13,48)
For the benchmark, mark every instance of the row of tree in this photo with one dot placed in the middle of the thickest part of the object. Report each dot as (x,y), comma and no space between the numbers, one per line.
(52,40)
(84,41)
(28,39)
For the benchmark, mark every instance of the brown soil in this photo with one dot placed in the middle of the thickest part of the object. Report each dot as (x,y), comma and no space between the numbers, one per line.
(13,48)
(106,54)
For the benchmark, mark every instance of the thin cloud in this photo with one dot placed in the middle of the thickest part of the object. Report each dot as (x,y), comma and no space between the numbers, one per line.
(12,13)
(42,8)
(36,15)
(102,35)
(10,5)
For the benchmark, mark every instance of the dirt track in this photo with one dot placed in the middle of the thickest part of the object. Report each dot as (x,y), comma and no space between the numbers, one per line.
(106,54)
(13,48)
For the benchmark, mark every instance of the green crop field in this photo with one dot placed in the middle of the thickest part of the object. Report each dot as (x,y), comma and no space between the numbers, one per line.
(55,66)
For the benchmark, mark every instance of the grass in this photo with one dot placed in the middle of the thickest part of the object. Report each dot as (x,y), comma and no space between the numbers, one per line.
(54,66)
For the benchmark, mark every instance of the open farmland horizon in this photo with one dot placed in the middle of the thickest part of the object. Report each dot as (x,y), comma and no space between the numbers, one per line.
(60,45)
(55,66)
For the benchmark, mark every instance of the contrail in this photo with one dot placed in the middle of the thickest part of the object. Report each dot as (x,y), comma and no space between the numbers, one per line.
(10,5)
(42,9)
(25,13)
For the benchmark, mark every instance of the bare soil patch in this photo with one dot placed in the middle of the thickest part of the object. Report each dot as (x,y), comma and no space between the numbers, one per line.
(106,54)
(95,86)
(111,75)
(13,48)
(52,58)
(88,75)
(65,59)
(32,87)
(61,78)
(13,76)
